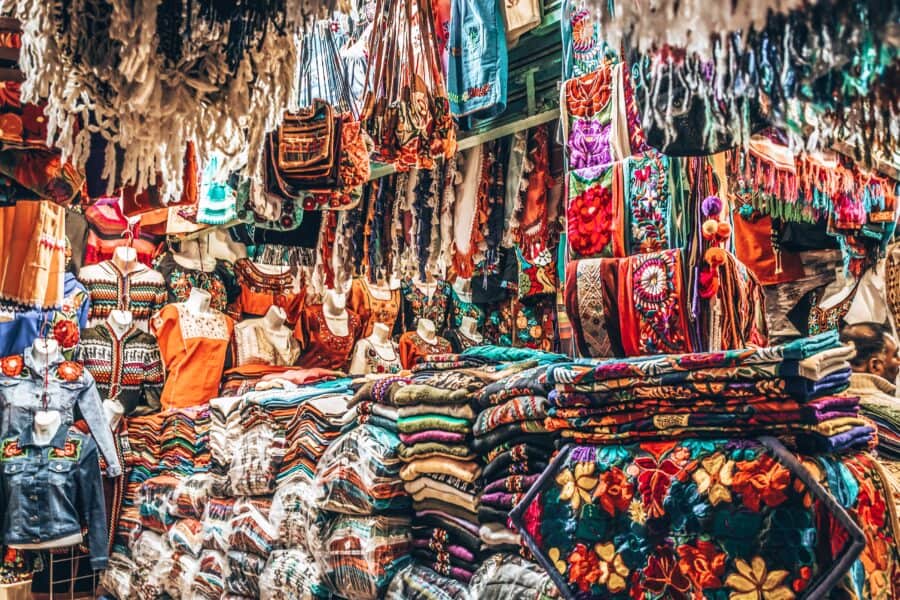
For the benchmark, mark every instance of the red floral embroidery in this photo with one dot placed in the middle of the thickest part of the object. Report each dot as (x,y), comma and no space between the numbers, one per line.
(66,333)
(663,576)
(761,481)
(71,450)
(703,564)
(584,567)
(654,479)
(614,492)
(590,220)
(11,449)
(69,370)
(12,366)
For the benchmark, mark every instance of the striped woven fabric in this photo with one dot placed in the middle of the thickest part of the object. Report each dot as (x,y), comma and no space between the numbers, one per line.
(141,291)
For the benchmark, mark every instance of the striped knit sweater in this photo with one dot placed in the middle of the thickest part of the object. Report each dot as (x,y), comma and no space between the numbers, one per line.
(142,291)
(129,368)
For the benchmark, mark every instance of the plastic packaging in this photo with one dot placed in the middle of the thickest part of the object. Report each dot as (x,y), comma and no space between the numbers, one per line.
(186,536)
(359,474)
(189,497)
(257,459)
(296,516)
(292,575)
(251,530)
(362,554)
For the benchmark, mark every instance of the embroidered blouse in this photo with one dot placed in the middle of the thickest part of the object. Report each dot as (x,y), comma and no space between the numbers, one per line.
(414,349)
(458,341)
(253,345)
(220,282)
(371,309)
(321,347)
(464,308)
(828,319)
(419,306)
(374,362)
(259,291)
(193,347)
(126,368)
(141,291)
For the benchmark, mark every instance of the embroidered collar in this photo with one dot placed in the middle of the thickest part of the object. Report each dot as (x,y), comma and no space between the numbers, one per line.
(26,438)
(259,279)
(139,267)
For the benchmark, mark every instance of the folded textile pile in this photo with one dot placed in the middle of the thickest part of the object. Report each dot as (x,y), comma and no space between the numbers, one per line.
(291,574)
(356,489)
(515,446)
(184,441)
(441,471)
(779,390)
(361,554)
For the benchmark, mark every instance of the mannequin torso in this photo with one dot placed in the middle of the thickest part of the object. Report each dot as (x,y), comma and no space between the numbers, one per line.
(120,322)
(426,330)
(376,353)
(125,258)
(469,329)
(334,307)
(198,301)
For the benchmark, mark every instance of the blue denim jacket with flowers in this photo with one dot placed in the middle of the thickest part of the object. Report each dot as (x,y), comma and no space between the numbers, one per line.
(48,492)
(67,384)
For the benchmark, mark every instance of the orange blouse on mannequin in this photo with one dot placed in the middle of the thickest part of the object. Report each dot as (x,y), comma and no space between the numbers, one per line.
(193,348)
(370,309)
(320,347)
(414,348)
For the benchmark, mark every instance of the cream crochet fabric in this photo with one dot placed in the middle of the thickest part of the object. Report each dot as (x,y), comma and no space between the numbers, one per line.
(121,88)
(688,24)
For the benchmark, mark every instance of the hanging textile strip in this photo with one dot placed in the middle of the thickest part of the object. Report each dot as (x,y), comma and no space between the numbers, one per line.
(593,215)
(647,192)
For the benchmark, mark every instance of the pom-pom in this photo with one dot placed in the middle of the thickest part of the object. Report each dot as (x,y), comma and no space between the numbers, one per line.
(711,206)
(709,229)
(714,257)
(723,230)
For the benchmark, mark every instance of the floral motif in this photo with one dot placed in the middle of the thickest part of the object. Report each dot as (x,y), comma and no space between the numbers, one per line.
(69,370)
(65,332)
(663,577)
(560,564)
(713,478)
(12,366)
(584,567)
(762,481)
(753,582)
(577,486)
(590,221)
(613,492)
(612,568)
(71,450)
(702,563)
(11,449)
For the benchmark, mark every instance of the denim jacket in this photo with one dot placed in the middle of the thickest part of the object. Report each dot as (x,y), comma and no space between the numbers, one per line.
(67,384)
(47,492)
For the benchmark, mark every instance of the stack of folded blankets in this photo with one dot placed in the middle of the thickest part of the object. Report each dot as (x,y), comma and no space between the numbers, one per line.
(789,390)
(441,472)
(515,446)
(184,442)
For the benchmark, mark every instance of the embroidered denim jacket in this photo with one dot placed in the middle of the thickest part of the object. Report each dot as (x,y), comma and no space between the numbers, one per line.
(67,385)
(47,492)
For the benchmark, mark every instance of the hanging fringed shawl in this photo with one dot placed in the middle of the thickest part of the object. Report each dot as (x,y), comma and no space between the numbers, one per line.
(219,74)
(469,195)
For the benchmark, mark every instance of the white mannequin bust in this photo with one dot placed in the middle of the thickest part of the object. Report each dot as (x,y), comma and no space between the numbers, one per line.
(114,411)
(45,351)
(199,301)
(837,291)
(381,342)
(223,247)
(469,329)
(463,288)
(334,307)
(427,330)
(120,322)
(46,424)
(125,257)
(196,255)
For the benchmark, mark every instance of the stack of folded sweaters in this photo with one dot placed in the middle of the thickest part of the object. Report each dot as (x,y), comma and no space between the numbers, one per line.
(511,439)
(787,390)
(441,472)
